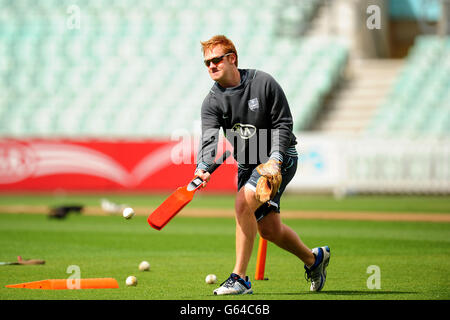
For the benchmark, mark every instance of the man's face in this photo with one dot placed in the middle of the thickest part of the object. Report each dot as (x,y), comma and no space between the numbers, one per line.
(217,71)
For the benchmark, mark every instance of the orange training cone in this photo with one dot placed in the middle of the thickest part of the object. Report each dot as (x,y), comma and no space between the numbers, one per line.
(261,259)
(57,284)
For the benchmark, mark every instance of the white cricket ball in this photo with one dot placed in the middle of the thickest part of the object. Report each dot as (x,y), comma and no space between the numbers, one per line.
(131,281)
(211,278)
(128,213)
(144,266)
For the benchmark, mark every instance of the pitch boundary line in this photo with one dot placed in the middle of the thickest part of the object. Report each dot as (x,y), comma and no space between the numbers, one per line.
(228,213)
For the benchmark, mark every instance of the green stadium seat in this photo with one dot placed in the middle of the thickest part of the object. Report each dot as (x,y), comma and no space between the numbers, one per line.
(122,65)
(419,91)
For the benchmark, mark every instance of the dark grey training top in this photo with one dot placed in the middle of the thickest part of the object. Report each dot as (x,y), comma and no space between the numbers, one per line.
(254,116)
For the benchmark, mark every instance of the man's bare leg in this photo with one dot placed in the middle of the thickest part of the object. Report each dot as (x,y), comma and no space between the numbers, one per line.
(272,229)
(246,229)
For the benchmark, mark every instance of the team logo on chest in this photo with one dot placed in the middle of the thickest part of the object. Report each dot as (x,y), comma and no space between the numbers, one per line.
(253,104)
(246,131)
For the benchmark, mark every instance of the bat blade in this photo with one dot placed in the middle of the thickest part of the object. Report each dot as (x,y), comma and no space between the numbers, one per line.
(170,207)
(179,199)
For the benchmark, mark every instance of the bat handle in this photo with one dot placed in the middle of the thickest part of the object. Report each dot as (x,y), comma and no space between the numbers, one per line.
(217,164)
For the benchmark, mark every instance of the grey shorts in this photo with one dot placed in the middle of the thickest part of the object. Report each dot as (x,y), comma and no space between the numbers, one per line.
(249,177)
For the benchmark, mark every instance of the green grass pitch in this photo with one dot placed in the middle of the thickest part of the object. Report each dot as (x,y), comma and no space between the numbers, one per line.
(413,257)
(408,204)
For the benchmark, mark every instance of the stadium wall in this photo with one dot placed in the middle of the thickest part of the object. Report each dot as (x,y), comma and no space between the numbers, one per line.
(345,165)
(330,164)
(100,165)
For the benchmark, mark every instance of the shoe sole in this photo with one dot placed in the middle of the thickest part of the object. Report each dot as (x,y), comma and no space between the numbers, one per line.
(249,291)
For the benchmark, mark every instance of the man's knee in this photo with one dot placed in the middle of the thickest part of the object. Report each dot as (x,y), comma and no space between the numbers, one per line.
(246,201)
(269,233)
(269,230)
(266,233)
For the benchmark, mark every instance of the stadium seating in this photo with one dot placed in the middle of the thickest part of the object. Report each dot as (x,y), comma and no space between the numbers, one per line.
(414,10)
(134,67)
(419,102)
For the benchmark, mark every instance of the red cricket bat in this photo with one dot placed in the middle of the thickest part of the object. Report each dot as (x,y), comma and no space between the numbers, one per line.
(179,199)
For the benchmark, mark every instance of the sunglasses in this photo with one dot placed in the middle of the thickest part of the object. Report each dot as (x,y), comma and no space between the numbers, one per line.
(216,60)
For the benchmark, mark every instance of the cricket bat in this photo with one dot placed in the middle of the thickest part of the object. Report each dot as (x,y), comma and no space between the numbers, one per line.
(21,261)
(179,199)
